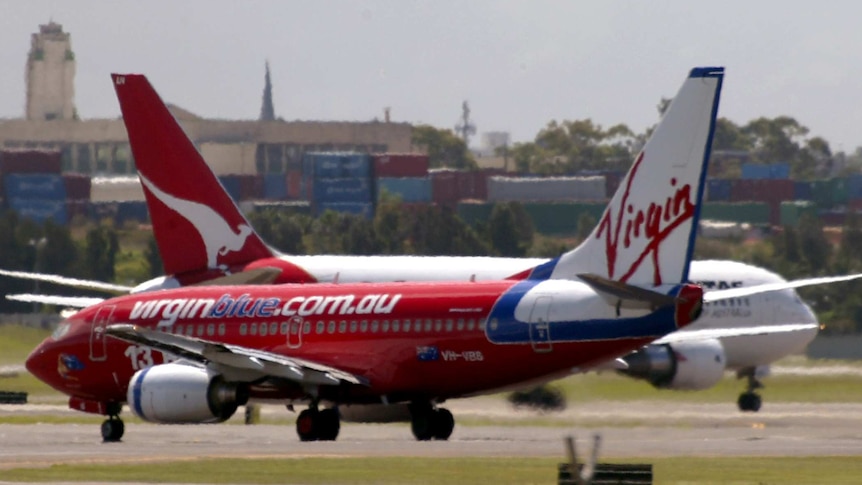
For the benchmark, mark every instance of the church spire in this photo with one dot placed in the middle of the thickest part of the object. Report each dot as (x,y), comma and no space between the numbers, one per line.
(267,110)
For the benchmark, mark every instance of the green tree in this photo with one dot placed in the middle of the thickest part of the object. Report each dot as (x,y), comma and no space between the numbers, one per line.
(154,258)
(100,253)
(444,147)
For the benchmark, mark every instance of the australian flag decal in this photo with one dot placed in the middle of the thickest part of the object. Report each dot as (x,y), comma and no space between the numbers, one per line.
(427,353)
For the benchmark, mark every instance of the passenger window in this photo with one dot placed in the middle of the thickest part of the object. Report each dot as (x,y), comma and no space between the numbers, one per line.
(273,328)
(396,325)
(449,324)
(221,329)
(428,325)
(210,329)
(460,326)
(363,326)
(284,328)
(375,325)
(263,330)
(243,329)
(353,326)
(320,326)
(385,326)
(331,327)
(471,325)
(178,330)
(494,324)
(201,330)
(342,327)
(482,323)
(406,325)
(438,325)
(190,330)
(306,328)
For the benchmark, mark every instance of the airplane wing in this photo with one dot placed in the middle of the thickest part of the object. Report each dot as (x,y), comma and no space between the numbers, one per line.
(234,357)
(64,301)
(66,281)
(715,295)
(718,333)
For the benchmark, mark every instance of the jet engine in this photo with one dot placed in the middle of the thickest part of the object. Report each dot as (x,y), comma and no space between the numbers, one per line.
(183,394)
(689,366)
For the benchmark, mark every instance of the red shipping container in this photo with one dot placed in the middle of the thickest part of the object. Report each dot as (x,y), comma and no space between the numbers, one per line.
(444,188)
(400,165)
(761,190)
(31,161)
(78,186)
(294,185)
(854,205)
(250,187)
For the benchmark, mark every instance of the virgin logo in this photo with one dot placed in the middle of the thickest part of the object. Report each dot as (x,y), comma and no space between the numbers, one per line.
(219,238)
(644,227)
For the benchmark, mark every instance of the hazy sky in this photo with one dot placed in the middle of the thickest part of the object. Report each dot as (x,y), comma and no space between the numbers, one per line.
(518,63)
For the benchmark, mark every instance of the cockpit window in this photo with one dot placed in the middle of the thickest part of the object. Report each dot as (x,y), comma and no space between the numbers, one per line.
(61,330)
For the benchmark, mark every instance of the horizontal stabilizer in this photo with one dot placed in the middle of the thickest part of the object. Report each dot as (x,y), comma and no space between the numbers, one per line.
(716,295)
(627,293)
(64,301)
(719,333)
(257,276)
(66,281)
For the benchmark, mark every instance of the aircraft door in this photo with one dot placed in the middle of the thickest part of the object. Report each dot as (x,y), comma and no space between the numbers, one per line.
(294,332)
(540,333)
(98,345)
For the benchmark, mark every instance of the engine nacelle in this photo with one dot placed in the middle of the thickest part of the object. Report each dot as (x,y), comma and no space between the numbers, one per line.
(689,366)
(183,394)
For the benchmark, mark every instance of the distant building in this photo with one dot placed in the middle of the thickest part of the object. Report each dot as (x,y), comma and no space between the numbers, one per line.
(101,146)
(51,75)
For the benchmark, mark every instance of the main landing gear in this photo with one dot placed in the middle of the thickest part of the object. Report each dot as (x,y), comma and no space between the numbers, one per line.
(749,400)
(428,422)
(315,424)
(113,427)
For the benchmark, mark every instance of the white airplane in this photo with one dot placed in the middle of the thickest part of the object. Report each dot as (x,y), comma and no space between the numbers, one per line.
(204,239)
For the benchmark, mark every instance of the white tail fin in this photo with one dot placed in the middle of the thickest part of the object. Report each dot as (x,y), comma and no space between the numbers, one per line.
(646,235)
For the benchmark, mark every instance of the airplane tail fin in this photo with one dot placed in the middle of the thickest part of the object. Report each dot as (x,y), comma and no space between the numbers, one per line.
(196,223)
(646,234)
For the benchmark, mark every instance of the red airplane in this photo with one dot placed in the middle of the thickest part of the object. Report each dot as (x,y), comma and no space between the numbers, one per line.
(193,354)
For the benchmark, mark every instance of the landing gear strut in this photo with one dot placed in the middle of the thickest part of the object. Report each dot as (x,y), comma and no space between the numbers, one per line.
(749,400)
(313,424)
(428,422)
(113,427)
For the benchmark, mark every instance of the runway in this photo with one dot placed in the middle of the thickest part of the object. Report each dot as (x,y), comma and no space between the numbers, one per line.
(643,429)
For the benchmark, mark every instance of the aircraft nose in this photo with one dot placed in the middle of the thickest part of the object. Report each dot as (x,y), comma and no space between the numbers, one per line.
(37,362)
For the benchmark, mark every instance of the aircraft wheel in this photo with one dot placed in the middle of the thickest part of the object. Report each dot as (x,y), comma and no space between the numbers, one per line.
(749,401)
(444,423)
(422,422)
(307,425)
(112,430)
(328,424)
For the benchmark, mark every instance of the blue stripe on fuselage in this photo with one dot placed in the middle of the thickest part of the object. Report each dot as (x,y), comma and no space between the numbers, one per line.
(509,330)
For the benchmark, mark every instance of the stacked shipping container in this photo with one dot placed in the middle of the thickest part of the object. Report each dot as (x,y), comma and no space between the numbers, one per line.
(343,182)
(33,186)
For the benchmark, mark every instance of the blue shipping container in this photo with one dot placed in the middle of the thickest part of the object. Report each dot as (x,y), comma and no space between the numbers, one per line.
(34,186)
(779,171)
(759,171)
(274,186)
(232,185)
(40,210)
(337,165)
(854,186)
(365,209)
(803,191)
(718,190)
(343,190)
(409,189)
(132,210)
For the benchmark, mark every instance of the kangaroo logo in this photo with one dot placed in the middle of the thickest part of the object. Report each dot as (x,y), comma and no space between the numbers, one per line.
(219,238)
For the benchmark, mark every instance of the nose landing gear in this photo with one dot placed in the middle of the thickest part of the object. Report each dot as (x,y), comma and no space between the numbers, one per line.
(750,401)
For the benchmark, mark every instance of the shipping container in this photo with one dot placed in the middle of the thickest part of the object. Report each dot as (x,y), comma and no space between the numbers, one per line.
(343,190)
(546,188)
(365,209)
(854,186)
(762,190)
(821,194)
(337,165)
(803,191)
(132,210)
(233,185)
(274,186)
(722,229)
(116,189)
(718,190)
(444,188)
(78,186)
(840,190)
(760,171)
(408,189)
(792,210)
(751,212)
(31,161)
(397,165)
(250,187)
(561,218)
(40,210)
(288,207)
(34,186)
(294,186)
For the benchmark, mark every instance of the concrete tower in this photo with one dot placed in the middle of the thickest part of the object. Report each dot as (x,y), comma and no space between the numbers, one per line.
(51,75)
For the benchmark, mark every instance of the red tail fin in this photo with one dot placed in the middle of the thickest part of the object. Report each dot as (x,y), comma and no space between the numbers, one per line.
(196,224)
